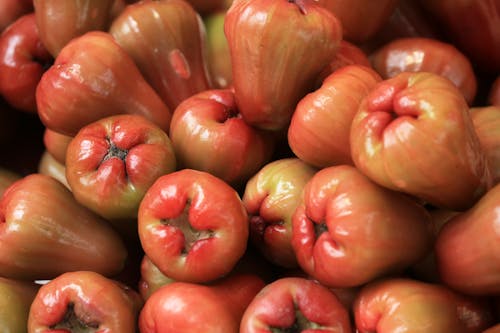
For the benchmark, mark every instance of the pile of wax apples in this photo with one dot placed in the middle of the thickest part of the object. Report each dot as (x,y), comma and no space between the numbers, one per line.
(250,166)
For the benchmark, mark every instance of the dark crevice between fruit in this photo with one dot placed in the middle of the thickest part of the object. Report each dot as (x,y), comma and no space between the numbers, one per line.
(72,323)
(258,225)
(300,324)
(191,235)
(320,228)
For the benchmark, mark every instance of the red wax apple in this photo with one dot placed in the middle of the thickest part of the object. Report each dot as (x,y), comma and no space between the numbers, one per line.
(360,19)
(193,226)
(23,59)
(419,54)
(467,248)
(294,304)
(487,125)
(348,230)
(277,49)
(166,40)
(151,278)
(49,166)
(209,134)
(413,133)
(56,144)
(11,10)
(319,131)
(15,301)
(84,301)
(473,26)
(59,21)
(218,55)
(44,232)
(111,163)
(270,198)
(405,305)
(92,78)
(193,308)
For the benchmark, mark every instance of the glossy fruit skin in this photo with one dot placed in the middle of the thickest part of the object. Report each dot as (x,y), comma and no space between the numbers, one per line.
(214,308)
(273,64)
(349,230)
(56,144)
(23,59)
(487,125)
(319,131)
(11,10)
(406,305)
(467,248)
(45,232)
(193,226)
(413,133)
(294,304)
(111,163)
(151,278)
(218,55)
(49,166)
(166,40)
(92,78)
(15,301)
(373,15)
(473,26)
(420,54)
(270,198)
(87,300)
(60,21)
(209,134)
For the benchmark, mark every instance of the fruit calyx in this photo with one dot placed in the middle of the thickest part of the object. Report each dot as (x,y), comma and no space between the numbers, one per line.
(71,322)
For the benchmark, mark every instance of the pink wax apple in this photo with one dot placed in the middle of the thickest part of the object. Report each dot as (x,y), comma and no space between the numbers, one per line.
(487,125)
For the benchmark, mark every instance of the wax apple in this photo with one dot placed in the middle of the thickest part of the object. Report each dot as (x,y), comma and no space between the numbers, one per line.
(84,301)
(467,248)
(209,134)
(23,60)
(419,54)
(413,133)
(319,131)
(276,58)
(472,26)
(166,39)
(486,123)
(15,302)
(193,226)
(11,10)
(348,230)
(294,304)
(405,305)
(56,144)
(111,163)
(59,21)
(151,278)
(494,92)
(270,198)
(214,308)
(44,232)
(372,14)
(92,78)
(49,166)
(493,329)
(218,55)
(7,178)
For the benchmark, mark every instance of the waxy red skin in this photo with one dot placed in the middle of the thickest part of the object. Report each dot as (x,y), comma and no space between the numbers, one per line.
(294,304)
(270,198)
(273,64)
(166,40)
(487,125)
(467,248)
(348,230)
(151,278)
(111,163)
(11,10)
(214,308)
(56,144)
(319,131)
(413,133)
(413,306)
(23,59)
(92,78)
(86,301)
(44,232)
(193,226)
(209,134)
(420,54)
(472,26)
(60,21)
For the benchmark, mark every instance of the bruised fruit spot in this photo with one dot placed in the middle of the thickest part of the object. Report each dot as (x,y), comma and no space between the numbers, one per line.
(300,324)
(179,64)
(72,323)
(320,228)
(191,235)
